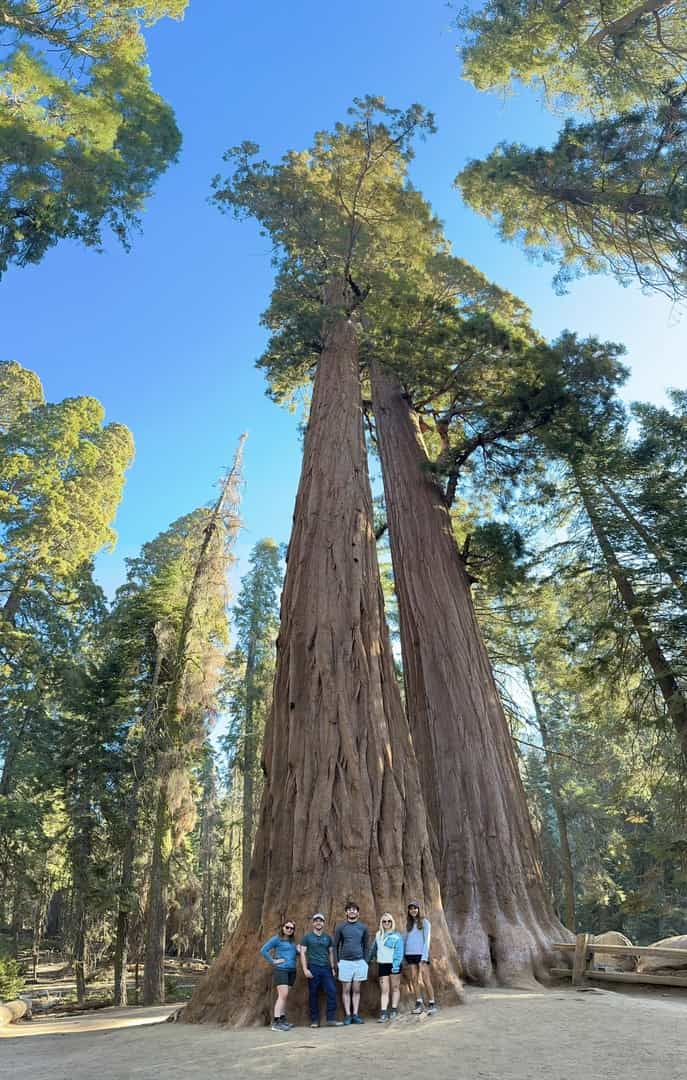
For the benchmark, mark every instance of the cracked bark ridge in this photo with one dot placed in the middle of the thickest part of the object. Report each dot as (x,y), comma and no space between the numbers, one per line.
(495,898)
(342,813)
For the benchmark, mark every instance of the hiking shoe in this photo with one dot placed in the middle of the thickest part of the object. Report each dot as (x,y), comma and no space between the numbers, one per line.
(348,1020)
(355,1019)
(314,1024)
(419,1007)
(285,1024)
(383,1017)
(278,1026)
(431,1009)
(335,1023)
(393,1015)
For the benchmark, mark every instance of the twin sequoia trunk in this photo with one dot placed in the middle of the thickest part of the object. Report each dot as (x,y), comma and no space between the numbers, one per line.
(342,814)
(495,900)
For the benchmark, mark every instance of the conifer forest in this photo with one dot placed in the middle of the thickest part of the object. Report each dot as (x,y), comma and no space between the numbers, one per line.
(459,673)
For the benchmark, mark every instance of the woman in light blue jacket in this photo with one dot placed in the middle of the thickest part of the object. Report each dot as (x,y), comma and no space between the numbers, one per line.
(387,949)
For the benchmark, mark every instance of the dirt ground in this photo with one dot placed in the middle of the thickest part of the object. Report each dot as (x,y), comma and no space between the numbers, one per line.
(498,1035)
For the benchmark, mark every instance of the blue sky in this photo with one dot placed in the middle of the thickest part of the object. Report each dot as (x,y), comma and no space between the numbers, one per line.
(166,336)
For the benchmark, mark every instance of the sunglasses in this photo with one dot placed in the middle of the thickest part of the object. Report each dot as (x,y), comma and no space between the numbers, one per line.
(289,926)
(386,921)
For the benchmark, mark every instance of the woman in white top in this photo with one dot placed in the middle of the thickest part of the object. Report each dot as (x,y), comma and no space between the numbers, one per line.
(416,947)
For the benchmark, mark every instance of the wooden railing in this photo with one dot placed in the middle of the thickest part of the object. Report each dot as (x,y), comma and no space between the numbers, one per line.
(584,948)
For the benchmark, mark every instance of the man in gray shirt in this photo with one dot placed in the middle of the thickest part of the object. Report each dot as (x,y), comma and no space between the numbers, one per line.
(351,946)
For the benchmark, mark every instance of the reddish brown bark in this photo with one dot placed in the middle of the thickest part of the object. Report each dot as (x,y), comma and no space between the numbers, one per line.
(496,902)
(342,813)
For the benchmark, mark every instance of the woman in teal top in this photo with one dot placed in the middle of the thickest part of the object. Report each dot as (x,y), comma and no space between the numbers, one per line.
(282,952)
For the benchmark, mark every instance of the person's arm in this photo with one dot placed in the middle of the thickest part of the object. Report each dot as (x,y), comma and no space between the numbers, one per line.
(398,955)
(426,935)
(338,938)
(304,960)
(332,957)
(265,951)
(365,941)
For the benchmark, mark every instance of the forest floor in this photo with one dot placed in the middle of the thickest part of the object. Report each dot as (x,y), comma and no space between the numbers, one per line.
(561,1034)
(55,986)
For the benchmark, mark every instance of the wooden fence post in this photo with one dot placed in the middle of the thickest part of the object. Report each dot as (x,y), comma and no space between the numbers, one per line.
(580,960)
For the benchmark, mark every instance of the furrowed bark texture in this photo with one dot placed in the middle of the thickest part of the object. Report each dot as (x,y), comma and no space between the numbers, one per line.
(495,899)
(342,813)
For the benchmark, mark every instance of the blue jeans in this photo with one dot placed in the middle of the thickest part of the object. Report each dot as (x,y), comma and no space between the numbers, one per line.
(322,978)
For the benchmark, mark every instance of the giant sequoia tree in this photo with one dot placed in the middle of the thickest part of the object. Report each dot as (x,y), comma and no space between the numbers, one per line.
(465,349)
(342,813)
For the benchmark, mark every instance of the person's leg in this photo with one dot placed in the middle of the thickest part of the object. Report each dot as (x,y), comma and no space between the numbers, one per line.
(313,994)
(346,995)
(427,980)
(395,991)
(383,997)
(415,986)
(429,989)
(330,990)
(287,988)
(355,997)
(280,1003)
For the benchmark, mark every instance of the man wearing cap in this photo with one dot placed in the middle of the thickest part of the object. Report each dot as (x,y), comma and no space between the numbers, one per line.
(319,968)
(352,946)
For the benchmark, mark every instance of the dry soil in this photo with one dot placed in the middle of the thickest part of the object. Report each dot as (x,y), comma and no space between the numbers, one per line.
(498,1035)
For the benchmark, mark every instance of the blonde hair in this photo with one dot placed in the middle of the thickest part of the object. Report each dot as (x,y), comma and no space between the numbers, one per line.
(386,915)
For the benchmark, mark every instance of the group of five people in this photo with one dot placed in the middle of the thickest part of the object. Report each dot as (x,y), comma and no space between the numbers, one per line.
(348,954)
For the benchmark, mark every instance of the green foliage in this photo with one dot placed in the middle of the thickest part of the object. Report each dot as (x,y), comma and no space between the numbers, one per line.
(11,979)
(604,54)
(83,137)
(343,208)
(609,196)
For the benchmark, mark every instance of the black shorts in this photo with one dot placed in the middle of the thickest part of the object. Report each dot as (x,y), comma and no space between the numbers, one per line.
(384,969)
(414,958)
(283,978)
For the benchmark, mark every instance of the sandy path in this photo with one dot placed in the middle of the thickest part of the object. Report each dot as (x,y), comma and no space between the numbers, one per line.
(498,1035)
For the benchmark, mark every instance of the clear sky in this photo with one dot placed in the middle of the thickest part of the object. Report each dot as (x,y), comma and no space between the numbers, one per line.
(166,336)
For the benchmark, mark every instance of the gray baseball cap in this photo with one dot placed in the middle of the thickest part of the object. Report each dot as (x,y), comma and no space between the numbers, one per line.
(318,915)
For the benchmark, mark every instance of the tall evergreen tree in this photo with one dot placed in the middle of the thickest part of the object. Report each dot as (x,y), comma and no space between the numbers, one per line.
(610,194)
(605,55)
(193,674)
(256,618)
(83,136)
